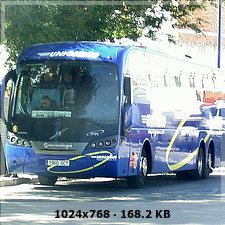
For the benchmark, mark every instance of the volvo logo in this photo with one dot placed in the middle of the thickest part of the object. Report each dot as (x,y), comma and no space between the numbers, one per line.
(58,133)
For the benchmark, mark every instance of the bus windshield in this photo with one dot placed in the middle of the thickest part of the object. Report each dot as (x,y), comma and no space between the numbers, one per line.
(73,94)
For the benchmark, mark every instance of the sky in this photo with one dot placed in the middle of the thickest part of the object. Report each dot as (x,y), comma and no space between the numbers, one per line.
(3,58)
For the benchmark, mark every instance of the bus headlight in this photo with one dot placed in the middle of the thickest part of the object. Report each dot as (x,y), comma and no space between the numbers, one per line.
(19,141)
(100,143)
(107,142)
(26,143)
(14,140)
(93,145)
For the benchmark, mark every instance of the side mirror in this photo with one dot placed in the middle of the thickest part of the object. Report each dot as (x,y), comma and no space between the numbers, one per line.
(6,90)
(128,117)
(11,75)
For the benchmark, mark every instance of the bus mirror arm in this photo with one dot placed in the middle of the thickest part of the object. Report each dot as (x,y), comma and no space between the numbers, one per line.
(11,75)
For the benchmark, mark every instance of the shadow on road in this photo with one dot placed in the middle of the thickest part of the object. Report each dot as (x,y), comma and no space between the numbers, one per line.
(158,188)
(189,202)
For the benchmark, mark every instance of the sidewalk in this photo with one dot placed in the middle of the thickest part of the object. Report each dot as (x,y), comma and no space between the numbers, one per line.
(21,179)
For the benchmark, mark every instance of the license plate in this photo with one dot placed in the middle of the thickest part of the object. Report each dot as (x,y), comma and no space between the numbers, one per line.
(58,162)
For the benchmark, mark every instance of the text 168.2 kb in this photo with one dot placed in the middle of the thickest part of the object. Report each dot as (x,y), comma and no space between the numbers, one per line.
(158,214)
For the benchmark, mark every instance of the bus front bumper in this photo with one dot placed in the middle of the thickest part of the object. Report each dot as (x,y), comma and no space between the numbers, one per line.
(24,160)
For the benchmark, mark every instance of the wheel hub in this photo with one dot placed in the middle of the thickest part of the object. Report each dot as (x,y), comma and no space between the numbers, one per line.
(144,166)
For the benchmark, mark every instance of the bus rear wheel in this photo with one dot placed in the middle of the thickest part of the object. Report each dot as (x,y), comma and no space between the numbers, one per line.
(204,167)
(140,179)
(208,165)
(201,168)
(47,180)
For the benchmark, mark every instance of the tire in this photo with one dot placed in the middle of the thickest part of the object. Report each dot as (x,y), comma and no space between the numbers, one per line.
(140,179)
(199,172)
(47,180)
(208,165)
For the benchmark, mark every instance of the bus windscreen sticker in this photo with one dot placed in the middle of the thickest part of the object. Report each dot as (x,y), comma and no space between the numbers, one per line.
(49,114)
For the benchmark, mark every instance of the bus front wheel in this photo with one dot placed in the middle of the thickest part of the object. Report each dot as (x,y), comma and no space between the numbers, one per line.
(139,180)
(47,180)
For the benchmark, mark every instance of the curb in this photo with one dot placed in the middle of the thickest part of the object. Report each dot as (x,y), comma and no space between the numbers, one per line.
(10,181)
(219,169)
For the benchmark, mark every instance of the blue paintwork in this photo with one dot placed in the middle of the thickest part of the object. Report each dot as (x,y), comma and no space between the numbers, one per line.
(0,97)
(158,137)
(107,52)
(24,160)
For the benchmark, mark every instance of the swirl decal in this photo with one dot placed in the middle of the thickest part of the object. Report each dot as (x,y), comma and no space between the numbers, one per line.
(82,156)
(189,157)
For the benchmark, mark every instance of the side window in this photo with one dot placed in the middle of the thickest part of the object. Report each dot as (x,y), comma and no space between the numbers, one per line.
(138,68)
(192,80)
(157,68)
(177,81)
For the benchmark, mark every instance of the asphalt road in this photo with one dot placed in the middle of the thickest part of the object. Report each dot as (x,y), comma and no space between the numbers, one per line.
(164,200)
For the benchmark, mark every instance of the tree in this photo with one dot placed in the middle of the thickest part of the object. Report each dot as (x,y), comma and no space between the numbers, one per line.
(35,23)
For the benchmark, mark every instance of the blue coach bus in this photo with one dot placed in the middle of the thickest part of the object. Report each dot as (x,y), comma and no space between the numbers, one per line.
(89,109)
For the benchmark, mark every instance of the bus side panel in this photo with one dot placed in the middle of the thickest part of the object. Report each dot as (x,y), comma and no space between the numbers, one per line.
(222,148)
(123,158)
(130,152)
(171,140)
(104,161)
(161,146)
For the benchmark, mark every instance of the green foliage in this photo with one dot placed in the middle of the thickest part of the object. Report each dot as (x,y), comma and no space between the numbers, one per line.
(40,23)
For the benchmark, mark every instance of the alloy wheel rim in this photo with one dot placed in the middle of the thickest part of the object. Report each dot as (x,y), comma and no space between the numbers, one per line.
(144,166)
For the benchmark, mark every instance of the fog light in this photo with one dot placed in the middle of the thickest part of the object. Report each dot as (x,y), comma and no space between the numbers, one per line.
(19,141)
(93,145)
(13,139)
(107,143)
(25,143)
(100,144)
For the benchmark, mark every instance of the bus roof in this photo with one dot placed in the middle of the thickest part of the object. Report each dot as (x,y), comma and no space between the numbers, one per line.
(87,50)
(99,51)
